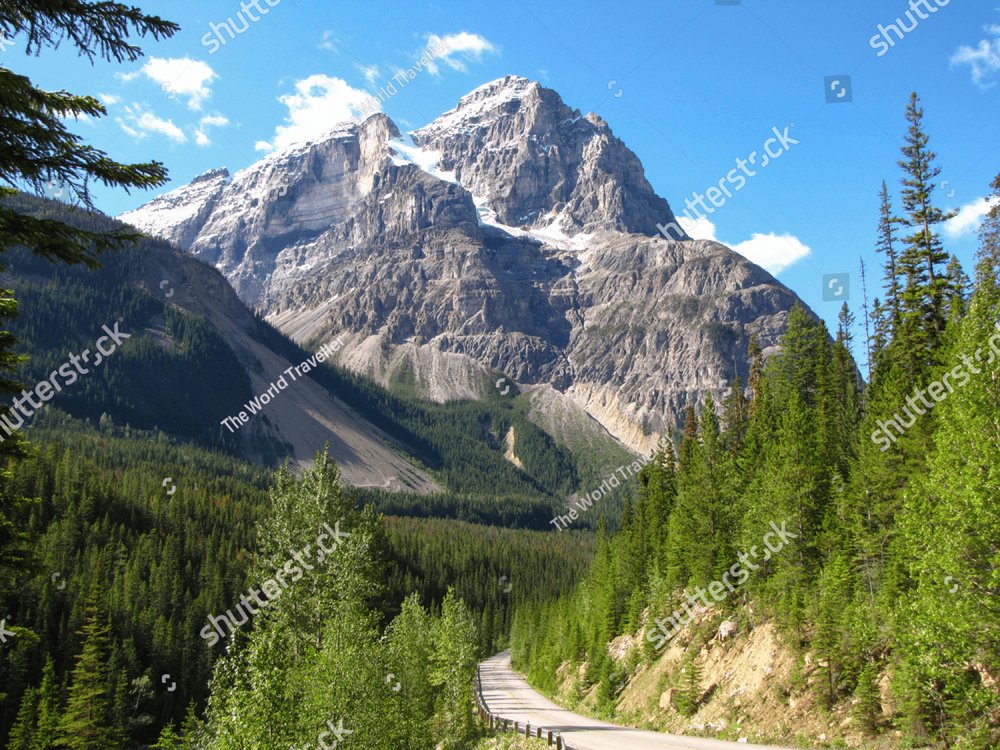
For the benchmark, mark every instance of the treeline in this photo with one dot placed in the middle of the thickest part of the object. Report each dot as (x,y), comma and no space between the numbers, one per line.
(461,441)
(129,541)
(108,536)
(491,569)
(174,372)
(879,504)
(183,362)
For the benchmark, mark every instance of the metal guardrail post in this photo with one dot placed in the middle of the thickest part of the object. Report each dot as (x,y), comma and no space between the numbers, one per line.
(500,724)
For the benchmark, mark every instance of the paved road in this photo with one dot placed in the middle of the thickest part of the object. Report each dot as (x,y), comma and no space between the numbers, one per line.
(508,694)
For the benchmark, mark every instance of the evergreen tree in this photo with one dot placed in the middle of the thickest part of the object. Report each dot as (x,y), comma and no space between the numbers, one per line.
(37,149)
(886,244)
(49,702)
(22,734)
(168,739)
(868,709)
(949,526)
(87,723)
(689,696)
(922,260)
(958,289)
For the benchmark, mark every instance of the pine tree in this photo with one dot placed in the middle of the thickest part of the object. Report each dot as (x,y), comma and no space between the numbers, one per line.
(735,416)
(689,696)
(886,244)
(922,259)
(22,734)
(49,702)
(958,289)
(192,730)
(87,722)
(756,357)
(868,708)
(168,739)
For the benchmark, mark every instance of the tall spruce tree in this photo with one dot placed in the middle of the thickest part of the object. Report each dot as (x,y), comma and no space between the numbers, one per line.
(88,722)
(950,527)
(886,245)
(922,259)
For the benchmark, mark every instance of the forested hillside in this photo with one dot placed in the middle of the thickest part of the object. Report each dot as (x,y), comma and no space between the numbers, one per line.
(137,538)
(368,557)
(185,361)
(862,520)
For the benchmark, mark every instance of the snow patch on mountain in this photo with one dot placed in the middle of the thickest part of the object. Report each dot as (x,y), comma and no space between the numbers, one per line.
(177,216)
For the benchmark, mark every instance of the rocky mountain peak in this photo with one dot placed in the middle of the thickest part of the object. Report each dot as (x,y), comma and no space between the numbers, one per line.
(507,88)
(512,234)
(538,163)
(211,175)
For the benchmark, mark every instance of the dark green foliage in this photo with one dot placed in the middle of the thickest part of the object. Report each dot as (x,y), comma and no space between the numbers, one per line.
(174,373)
(163,563)
(88,723)
(491,569)
(689,696)
(892,569)
(461,441)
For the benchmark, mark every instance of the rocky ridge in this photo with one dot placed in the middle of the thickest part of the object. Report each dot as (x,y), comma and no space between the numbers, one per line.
(510,237)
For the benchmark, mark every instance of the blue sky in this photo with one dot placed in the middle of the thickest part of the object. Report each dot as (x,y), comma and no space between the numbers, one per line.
(689,85)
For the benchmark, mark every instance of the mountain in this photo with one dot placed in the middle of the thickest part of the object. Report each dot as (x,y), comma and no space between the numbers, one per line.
(193,355)
(510,238)
(193,345)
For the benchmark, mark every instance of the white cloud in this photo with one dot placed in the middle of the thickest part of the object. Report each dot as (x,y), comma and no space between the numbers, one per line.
(455,50)
(370,72)
(969,217)
(178,77)
(319,103)
(139,123)
(773,252)
(209,121)
(698,229)
(109,99)
(983,59)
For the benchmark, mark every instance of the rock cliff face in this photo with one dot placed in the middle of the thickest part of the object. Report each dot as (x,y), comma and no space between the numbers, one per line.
(511,236)
(535,162)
